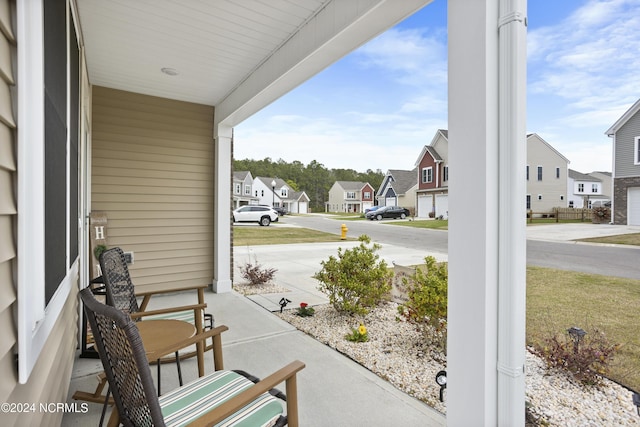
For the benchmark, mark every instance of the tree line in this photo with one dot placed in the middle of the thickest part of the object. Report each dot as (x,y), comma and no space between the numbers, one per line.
(314,178)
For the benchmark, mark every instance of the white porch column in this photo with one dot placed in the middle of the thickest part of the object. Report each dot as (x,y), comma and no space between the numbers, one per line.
(222,209)
(487,239)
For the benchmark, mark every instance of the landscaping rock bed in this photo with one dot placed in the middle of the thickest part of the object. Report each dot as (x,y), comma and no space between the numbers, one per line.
(397,353)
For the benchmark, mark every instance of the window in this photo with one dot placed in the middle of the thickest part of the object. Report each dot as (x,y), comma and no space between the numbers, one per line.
(636,150)
(262,193)
(283,192)
(445,174)
(594,188)
(527,172)
(528,201)
(367,194)
(351,194)
(580,188)
(539,173)
(557,172)
(237,189)
(247,190)
(427,175)
(539,196)
(570,203)
(48,103)
(561,197)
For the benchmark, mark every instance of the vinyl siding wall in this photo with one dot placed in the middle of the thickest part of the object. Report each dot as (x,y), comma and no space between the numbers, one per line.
(551,188)
(624,145)
(49,380)
(152,174)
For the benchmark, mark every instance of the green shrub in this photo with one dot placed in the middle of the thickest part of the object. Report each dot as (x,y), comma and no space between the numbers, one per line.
(587,359)
(357,279)
(426,307)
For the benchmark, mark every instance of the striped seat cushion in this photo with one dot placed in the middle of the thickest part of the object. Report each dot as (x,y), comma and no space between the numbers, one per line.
(187,403)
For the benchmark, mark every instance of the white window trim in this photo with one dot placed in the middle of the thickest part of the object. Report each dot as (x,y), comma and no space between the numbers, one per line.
(539,173)
(35,322)
(425,175)
(636,154)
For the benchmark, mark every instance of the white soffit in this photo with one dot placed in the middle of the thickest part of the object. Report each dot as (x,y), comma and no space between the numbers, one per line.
(236,54)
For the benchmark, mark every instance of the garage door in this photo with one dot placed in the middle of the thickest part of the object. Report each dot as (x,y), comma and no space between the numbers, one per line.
(390,201)
(442,205)
(633,206)
(424,206)
(302,207)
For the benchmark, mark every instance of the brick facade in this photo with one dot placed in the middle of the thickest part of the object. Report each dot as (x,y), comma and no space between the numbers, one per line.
(620,186)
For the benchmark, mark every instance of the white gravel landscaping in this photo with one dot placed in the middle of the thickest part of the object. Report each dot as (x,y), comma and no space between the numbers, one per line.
(397,353)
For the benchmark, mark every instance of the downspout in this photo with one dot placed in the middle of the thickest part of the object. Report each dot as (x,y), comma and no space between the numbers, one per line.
(511,212)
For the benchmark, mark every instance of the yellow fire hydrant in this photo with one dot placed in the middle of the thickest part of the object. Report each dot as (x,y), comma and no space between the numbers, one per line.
(344,230)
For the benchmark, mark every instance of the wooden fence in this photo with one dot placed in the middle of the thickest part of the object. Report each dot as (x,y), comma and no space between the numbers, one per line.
(561,214)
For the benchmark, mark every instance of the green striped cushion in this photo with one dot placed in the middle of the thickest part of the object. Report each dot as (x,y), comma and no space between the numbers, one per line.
(185,404)
(185,316)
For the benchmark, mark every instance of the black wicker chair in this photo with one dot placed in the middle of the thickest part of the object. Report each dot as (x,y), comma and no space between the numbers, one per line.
(120,294)
(222,398)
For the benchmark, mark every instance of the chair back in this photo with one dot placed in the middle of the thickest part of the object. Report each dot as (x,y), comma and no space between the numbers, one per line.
(125,363)
(115,273)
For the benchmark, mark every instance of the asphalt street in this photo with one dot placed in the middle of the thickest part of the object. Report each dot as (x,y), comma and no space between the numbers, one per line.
(547,245)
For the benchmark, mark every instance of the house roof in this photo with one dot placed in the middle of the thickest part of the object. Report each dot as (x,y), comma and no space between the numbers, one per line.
(578,176)
(267,181)
(403,180)
(624,119)
(431,149)
(351,185)
(299,195)
(240,175)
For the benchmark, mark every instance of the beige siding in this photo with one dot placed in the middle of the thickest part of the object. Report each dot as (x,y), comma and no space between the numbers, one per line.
(540,153)
(152,175)
(8,211)
(49,381)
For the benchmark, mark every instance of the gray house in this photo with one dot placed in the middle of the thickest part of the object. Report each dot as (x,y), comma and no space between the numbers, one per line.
(398,188)
(626,167)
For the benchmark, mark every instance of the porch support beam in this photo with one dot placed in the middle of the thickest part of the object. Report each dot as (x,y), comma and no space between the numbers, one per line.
(487,244)
(337,29)
(222,209)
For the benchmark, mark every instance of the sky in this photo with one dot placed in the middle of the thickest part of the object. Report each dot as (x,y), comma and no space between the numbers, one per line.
(379,106)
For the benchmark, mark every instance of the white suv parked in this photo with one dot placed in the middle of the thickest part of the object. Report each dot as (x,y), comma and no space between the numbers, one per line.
(263,215)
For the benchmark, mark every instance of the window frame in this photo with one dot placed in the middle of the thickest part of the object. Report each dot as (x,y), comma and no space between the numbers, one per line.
(636,150)
(580,187)
(36,318)
(427,175)
(539,171)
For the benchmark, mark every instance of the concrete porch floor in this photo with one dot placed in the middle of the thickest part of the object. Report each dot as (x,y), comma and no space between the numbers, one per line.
(332,389)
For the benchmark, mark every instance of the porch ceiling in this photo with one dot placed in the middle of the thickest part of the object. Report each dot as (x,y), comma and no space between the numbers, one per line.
(211,44)
(237,55)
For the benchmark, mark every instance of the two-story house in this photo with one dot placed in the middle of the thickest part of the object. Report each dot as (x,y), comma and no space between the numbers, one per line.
(625,133)
(547,172)
(242,189)
(271,191)
(584,190)
(433,177)
(398,188)
(350,196)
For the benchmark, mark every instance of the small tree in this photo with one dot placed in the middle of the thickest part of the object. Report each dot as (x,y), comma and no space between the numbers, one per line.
(357,279)
(426,307)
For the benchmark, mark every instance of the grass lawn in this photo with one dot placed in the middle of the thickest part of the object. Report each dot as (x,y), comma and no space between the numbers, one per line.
(274,235)
(622,239)
(438,224)
(557,300)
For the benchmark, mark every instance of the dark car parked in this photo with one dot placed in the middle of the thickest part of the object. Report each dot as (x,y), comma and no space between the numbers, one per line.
(388,212)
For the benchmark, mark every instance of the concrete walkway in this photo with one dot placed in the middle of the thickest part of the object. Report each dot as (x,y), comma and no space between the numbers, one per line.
(333,390)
